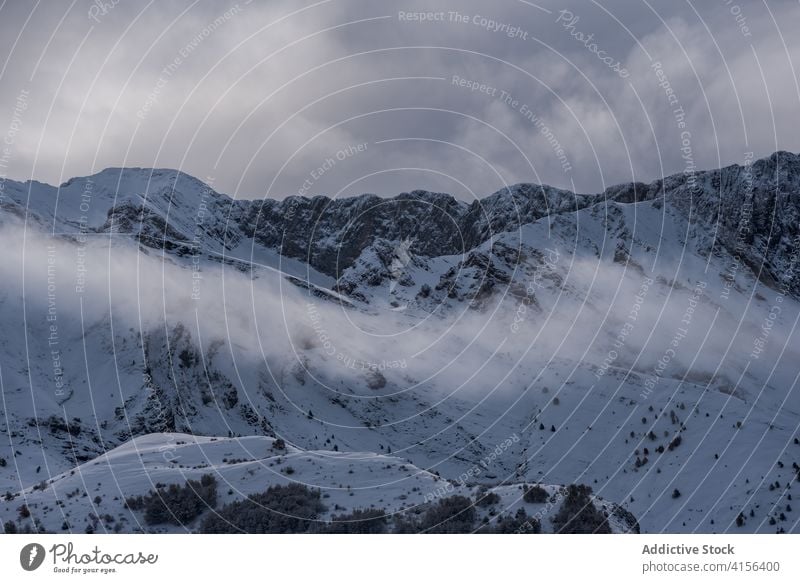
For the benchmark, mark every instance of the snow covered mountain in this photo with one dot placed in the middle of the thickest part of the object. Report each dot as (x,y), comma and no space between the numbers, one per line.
(248,465)
(641,341)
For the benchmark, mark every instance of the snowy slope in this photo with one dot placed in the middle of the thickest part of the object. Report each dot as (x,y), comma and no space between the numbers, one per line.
(93,494)
(595,329)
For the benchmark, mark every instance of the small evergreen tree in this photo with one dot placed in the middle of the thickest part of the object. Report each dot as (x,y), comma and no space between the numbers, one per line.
(578,514)
(485,498)
(535,495)
(176,504)
(279,510)
(452,515)
(372,521)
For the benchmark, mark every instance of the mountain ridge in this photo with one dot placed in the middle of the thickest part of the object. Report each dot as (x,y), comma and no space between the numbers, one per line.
(778,154)
(170,208)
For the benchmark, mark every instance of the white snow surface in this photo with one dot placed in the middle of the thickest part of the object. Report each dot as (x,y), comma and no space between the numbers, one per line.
(588,336)
(93,494)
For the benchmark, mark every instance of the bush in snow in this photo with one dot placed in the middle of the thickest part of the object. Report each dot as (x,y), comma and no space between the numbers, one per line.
(452,515)
(176,504)
(279,510)
(371,521)
(578,515)
(535,495)
(520,523)
(485,498)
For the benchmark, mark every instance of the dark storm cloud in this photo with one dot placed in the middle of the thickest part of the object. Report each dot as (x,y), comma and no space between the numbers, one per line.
(273,99)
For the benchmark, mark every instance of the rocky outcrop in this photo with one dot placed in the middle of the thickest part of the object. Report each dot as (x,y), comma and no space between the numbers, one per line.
(752,210)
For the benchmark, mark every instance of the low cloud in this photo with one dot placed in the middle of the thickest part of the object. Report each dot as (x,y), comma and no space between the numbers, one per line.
(607,319)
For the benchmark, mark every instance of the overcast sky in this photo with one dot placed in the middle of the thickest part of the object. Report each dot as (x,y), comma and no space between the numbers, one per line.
(274,99)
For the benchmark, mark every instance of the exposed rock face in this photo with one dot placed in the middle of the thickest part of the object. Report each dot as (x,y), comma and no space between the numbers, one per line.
(331,234)
(753,210)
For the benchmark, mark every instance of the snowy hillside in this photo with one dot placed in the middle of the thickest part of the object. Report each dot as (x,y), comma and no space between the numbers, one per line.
(641,341)
(248,465)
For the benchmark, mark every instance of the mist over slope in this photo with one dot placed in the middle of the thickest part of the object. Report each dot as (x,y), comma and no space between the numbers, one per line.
(641,341)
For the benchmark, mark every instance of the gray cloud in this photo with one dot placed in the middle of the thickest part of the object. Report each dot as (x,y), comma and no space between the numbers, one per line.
(259,96)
